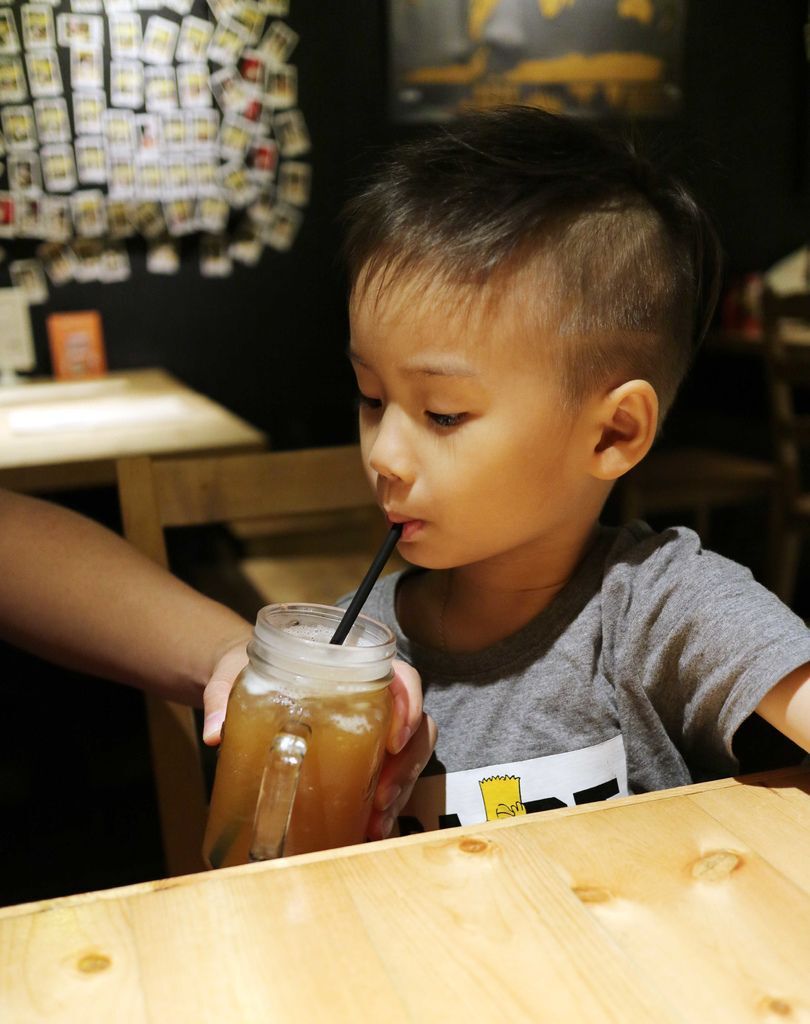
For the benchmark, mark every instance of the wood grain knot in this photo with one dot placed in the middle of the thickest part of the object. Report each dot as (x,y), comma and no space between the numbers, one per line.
(473,845)
(774,1006)
(716,866)
(592,893)
(90,963)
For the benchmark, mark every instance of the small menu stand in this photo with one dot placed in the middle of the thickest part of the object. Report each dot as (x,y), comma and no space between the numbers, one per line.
(16,341)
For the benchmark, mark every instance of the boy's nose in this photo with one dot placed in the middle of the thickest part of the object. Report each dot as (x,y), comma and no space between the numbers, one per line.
(389,455)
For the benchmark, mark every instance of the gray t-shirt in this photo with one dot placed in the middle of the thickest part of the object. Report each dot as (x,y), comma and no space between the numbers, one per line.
(635,678)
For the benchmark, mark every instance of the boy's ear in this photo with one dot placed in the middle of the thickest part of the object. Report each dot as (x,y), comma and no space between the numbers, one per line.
(624,429)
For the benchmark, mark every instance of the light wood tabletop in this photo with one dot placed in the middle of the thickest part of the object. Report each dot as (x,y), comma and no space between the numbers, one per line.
(59,434)
(691,905)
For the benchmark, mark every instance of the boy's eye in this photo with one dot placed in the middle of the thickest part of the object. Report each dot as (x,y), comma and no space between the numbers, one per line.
(446,419)
(367,402)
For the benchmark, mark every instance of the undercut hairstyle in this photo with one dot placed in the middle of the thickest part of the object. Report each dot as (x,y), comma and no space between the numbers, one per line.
(623,263)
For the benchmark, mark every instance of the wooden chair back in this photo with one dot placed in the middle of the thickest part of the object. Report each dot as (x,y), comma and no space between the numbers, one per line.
(158,493)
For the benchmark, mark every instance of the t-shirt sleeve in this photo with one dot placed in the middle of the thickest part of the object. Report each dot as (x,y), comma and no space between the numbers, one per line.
(697,639)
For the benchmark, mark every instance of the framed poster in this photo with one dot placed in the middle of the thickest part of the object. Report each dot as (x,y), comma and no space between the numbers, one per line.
(16,341)
(593,57)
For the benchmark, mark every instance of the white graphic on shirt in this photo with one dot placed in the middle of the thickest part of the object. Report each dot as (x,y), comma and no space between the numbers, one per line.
(519,787)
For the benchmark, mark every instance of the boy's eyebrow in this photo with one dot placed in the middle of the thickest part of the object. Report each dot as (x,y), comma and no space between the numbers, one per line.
(441,366)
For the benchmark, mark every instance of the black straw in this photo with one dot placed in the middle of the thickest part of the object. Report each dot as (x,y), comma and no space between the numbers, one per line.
(369,580)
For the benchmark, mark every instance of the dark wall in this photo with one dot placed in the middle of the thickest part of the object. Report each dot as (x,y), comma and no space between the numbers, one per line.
(268,342)
(746,92)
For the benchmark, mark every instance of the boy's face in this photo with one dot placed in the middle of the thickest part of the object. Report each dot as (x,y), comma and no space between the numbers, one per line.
(463,433)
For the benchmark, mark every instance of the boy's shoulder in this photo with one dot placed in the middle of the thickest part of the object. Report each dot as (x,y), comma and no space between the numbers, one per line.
(666,588)
(637,551)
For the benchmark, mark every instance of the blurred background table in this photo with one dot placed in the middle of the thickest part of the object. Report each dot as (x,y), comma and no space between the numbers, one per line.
(689,905)
(57,435)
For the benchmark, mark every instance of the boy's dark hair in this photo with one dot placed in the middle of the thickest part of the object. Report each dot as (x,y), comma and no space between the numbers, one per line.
(625,263)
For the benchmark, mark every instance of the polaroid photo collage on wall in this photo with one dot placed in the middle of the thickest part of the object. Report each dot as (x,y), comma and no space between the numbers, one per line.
(134,118)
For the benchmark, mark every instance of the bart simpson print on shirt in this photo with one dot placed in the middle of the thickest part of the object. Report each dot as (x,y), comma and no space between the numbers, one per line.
(522,787)
(501,795)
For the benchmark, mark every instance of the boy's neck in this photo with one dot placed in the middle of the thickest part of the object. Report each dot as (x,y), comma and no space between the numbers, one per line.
(472,607)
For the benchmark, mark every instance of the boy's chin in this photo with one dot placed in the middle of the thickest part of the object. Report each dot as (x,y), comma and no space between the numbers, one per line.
(421,560)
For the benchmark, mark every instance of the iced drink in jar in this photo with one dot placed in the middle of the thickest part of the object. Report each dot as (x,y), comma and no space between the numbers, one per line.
(300,689)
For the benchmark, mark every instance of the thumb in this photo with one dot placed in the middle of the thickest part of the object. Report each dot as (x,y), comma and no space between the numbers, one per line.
(217,691)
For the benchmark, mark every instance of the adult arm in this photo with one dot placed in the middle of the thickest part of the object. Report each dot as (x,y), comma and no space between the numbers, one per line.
(75,593)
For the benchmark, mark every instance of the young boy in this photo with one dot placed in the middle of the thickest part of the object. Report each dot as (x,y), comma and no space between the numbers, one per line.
(526,297)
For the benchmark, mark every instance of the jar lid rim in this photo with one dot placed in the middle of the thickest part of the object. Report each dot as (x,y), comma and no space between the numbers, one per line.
(273,624)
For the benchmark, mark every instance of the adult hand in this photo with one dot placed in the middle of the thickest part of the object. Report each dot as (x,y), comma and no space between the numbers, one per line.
(411,740)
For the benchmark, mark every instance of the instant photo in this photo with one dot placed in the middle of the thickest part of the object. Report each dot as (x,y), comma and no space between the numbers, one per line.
(56,221)
(291,131)
(175,129)
(248,20)
(294,182)
(203,127)
(120,176)
(44,76)
(30,277)
(281,231)
(13,88)
(262,159)
(30,216)
(180,215)
(24,172)
(215,259)
(163,256)
(8,215)
(91,159)
(125,36)
(160,88)
(148,221)
(234,137)
(9,40)
(18,128)
(149,180)
(119,225)
(89,213)
(227,43)
(279,42)
(192,86)
(159,40)
(281,88)
(88,108)
(118,128)
(37,27)
(126,84)
(115,264)
(195,35)
(86,67)
(212,213)
(79,30)
(58,168)
(53,124)
(57,260)
(148,135)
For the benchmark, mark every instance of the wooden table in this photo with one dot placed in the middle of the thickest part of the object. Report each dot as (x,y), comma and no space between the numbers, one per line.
(63,434)
(691,905)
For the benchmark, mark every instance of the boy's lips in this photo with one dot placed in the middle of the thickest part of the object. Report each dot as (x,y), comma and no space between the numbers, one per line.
(409,526)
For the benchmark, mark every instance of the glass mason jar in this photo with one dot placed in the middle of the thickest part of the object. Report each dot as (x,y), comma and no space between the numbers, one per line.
(303,739)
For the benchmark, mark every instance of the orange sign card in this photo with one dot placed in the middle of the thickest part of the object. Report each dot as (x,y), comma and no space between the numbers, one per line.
(77,344)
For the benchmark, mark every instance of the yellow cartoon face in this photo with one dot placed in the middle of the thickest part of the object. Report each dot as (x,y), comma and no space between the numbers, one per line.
(501,795)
